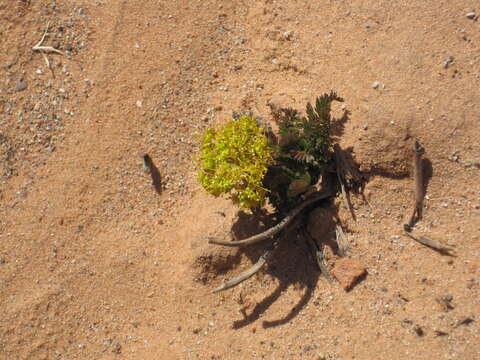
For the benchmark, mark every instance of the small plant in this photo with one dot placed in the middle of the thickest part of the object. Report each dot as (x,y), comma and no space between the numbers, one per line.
(244,161)
(234,160)
(302,153)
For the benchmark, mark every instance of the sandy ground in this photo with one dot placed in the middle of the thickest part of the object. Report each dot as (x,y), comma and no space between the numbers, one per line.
(96,264)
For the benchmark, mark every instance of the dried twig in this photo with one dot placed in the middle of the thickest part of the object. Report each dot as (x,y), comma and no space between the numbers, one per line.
(46,49)
(40,47)
(419,192)
(277,228)
(434,244)
(342,241)
(249,272)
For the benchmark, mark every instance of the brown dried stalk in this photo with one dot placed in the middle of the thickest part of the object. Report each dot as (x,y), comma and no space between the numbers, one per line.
(419,192)
(277,228)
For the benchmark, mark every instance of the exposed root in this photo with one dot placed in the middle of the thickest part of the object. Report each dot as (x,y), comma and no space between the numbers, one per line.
(249,272)
(277,228)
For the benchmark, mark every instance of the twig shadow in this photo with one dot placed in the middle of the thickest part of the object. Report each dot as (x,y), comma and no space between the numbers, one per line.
(427,173)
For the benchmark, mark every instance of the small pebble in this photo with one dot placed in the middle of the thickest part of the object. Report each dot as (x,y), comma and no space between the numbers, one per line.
(287,35)
(20,85)
(139,103)
(117,348)
(471,15)
(449,60)
(418,330)
(240,41)
(376,84)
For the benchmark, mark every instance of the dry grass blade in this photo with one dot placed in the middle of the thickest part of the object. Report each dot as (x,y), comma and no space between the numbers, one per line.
(277,228)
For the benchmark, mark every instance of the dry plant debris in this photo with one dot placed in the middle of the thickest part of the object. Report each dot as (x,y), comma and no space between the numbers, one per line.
(46,49)
(417,212)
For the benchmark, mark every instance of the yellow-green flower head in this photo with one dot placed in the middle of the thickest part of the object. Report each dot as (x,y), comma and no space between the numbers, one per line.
(234,160)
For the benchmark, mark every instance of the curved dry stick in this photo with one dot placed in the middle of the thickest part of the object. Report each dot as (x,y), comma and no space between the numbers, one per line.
(249,272)
(277,228)
(244,275)
(434,244)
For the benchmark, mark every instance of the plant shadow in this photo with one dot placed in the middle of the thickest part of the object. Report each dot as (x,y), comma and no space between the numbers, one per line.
(292,263)
(337,125)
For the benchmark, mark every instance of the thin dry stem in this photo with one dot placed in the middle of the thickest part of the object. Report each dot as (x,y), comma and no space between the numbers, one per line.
(277,228)
(249,272)
(40,47)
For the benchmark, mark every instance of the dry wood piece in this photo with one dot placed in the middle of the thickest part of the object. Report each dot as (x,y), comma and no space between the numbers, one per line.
(249,272)
(277,228)
(434,244)
(419,193)
(342,241)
